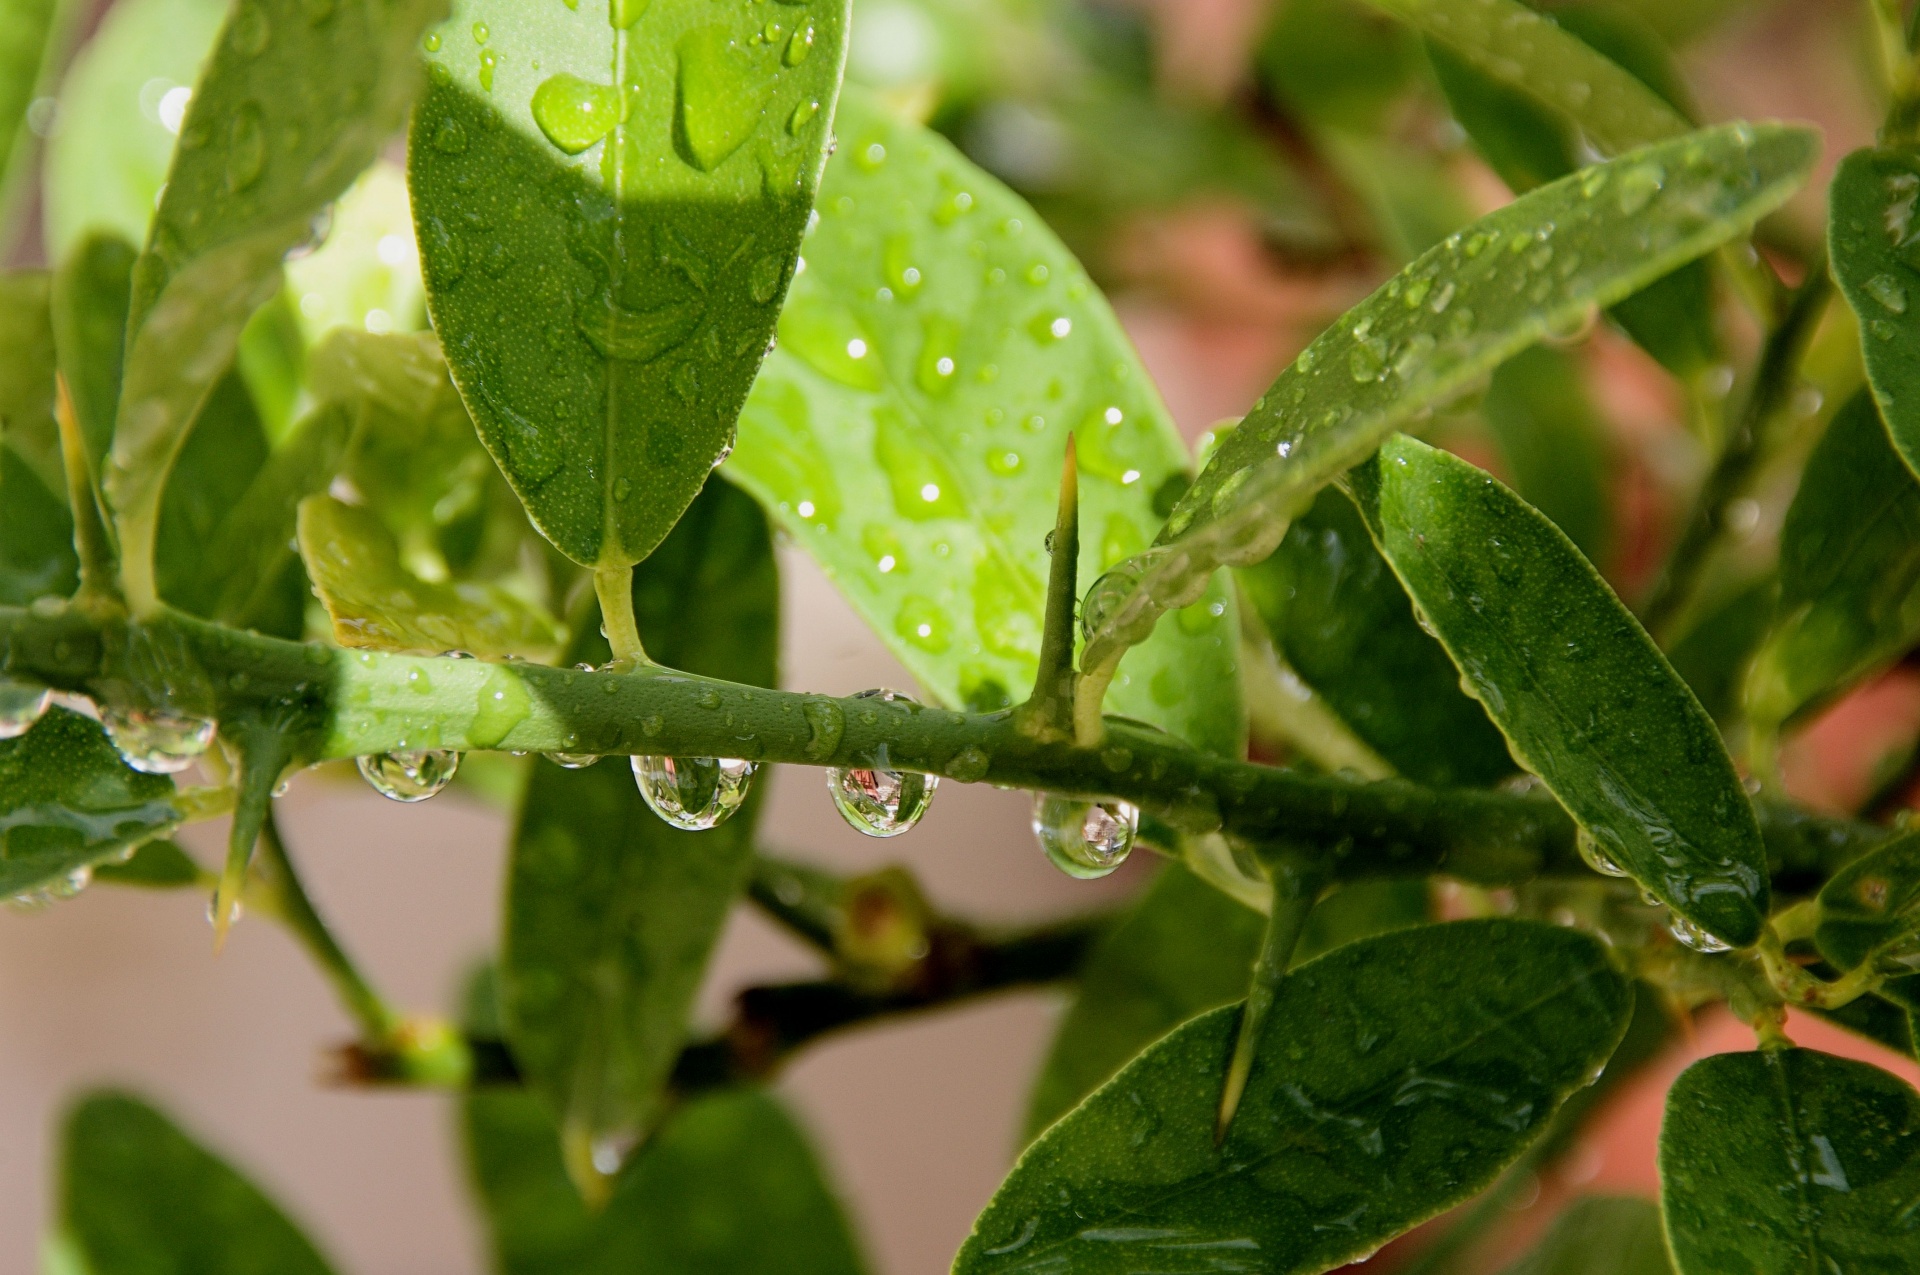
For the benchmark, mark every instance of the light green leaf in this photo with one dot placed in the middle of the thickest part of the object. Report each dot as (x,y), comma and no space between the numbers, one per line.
(1554,445)
(375,601)
(297,99)
(91,294)
(1342,621)
(157,865)
(1790,1160)
(606,286)
(67,803)
(138,1196)
(1875,250)
(1601,1235)
(366,275)
(1870,903)
(611,913)
(935,355)
(27,34)
(1849,572)
(1449,318)
(1396,1077)
(1584,697)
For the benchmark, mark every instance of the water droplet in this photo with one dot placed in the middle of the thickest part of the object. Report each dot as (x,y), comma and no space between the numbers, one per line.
(694,793)
(1638,186)
(251,30)
(800,45)
(409,776)
(720,99)
(480,33)
(1597,858)
(970,764)
(21,705)
(1882,330)
(1694,936)
(880,802)
(1365,363)
(234,911)
(1084,839)
(1888,291)
(621,14)
(432,42)
(246,147)
(802,116)
(871,156)
(157,741)
(825,725)
(923,624)
(450,138)
(488,60)
(574,113)
(573,761)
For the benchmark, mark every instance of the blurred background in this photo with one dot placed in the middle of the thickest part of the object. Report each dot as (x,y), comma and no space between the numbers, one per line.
(1235,172)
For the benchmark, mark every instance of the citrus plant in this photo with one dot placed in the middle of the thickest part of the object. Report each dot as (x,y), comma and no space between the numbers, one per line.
(313,457)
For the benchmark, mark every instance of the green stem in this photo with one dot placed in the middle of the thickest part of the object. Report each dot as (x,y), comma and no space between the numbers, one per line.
(1296,887)
(1048,711)
(99,565)
(614,587)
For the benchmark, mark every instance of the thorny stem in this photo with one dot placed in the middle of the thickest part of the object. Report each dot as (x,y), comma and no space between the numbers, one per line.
(1048,712)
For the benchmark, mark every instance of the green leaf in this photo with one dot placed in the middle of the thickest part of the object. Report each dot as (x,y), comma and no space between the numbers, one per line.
(1452,316)
(921,474)
(1336,63)
(1341,619)
(1875,254)
(1711,656)
(1396,1077)
(1875,1019)
(606,288)
(1584,697)
(1554,445)
(1872,902)
(36,532)
(374,601)
(91,294)
(224,450)
(1790,1160)
(27,35)
(139,1196)
(1849,572)
(37,558)
(611,913)
(158,865)
(67,803)
(1601,1235)
(297,99)
(367,274)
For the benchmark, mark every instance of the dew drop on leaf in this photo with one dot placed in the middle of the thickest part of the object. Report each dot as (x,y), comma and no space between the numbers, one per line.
(573,761)
(1084,839)
(800,45)
(1889,292)
(246,147)
(157,741)
(409,775)
(21,705)
(1692,936)
(1596,857)
(693,793)
(803,115)
(1638,186)
(574,113)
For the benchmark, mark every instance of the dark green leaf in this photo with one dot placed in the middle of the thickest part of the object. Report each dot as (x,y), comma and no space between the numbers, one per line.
(1343,622)
(27,30)
(37,558)
(1877,1020)
(1601,1235)
(1849,572)
(1584,697)
(1518,274)
(67,802)
(606,289)
(611,913)
(223,451)
(1335,62)
(297,99)
(158,865)
(91,294)
(26,376)
(139,1197)
(1872,902)
(1396,1076)
(1554,445)
(1875,251)
(1791,1160)
(1711,656)
(922,472)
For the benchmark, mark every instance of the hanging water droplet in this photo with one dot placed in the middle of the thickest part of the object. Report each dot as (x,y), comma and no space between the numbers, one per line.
(157,741)
(573,761)
(695,793)
(1693,936)
(1597,858)
(881,802)
(1888,291)
(234,911)
(409,776)
(21,705)
(1084,839)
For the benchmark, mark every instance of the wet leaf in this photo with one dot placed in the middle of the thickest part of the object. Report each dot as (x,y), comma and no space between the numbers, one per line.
(1554,445)
(1601,1235)
(1584,697)
(1875,254)
(375,601)
(1849,572)
(611,913)
(1396,1077)
(1516,275)
(1340,618)
(1790,1160)
(91,294)
(138,1196)
(909,431)
(606,288)
(68,802)
(1872,902)
(295,101)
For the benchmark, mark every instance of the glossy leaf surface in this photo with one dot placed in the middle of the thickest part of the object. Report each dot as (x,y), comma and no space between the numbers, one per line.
(1586,700)
(139,1196)
(67,801)
(1341,619)
(1516,275)
(1870,903)
(295,101)
(1849,571)
(1875,252)
(606,277)
(1396,1076)
(375,601)
(1601,1235)
(1790,1160)
(611,913)
(934,356)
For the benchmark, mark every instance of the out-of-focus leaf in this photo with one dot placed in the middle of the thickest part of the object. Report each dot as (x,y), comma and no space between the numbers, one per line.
(1591,238)
(1875,250)
(157,865)
(91,294)
(1874,901)
(1790,1160)
(1849,572)
(1711,656)
(67,802)
(1875,1019)
(296,100)
(272,359)
(367,273)
(1343,622)
(223,451)
(1395,1077)
(606,278)
(27,35)
(36,532)
(375,601)
(138,1196)
(910,437)
(1415,201)
(1554,445)
(611,913)
(1601,1235)
(37,558)
(1584,697)
(1334,62)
